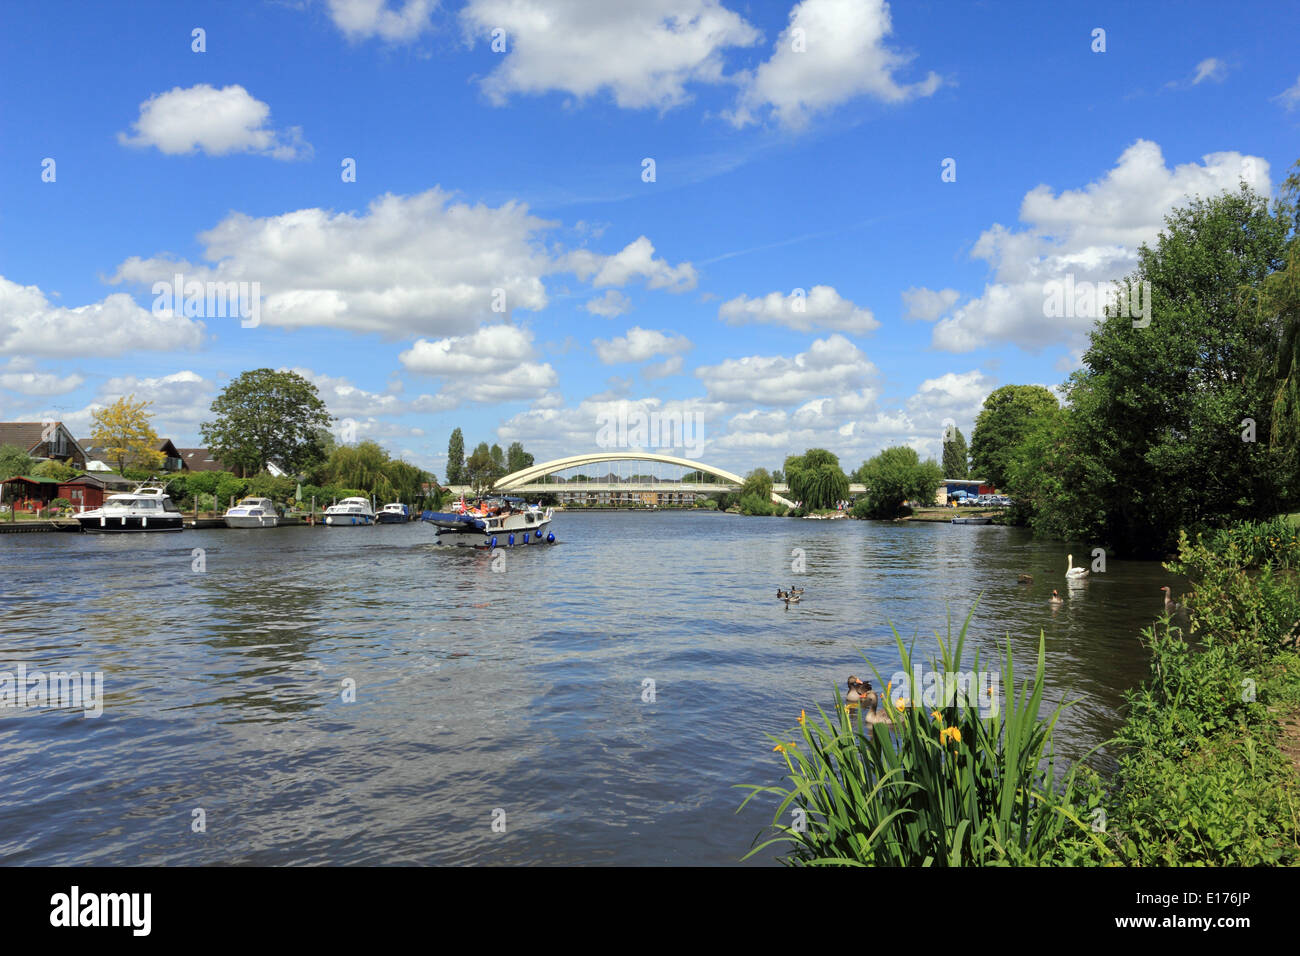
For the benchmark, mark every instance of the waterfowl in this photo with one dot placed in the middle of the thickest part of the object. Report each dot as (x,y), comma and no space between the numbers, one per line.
(1071,571)
(1056,597)
(853,696)
(1026,579)
(794,590)
(781,595)
(861,692)
(873,715)
(1171,606)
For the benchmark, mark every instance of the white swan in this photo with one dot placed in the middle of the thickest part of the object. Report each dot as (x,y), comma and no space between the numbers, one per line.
(1071,571)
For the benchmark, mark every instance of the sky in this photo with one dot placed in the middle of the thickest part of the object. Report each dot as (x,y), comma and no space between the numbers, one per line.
(829,224)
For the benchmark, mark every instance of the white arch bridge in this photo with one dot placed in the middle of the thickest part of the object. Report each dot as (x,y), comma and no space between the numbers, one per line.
(532,480)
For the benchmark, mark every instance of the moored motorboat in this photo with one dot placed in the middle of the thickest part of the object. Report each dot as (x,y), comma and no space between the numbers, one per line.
(148,508)
(493,522)
(253,513)
(350,512)
(394,513)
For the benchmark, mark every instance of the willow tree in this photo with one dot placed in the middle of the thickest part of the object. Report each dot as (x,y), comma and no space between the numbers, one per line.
(816,479)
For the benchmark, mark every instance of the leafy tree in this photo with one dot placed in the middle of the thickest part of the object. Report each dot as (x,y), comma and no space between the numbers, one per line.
(456,458)
(816,479)
(482,471)
(1280,297)
(55,469)
(14,461)
(499,457)
(752,504)
(517,459)
(892,477)
(758,484)
(1160,410)
(263,416)
(1001,425)
(124,432)
(955,458)
(778,477)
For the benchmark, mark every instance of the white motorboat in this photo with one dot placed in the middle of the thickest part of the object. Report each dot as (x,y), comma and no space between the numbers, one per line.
(349,512)
(395,513)
(148,508)
(493,523)
(253,513)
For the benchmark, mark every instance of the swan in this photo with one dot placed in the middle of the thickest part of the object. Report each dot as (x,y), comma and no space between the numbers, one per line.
(1056,597)
(1071,571)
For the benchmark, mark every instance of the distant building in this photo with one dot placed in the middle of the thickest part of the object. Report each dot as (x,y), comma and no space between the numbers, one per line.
(199,459)
(98,457)
(47,441)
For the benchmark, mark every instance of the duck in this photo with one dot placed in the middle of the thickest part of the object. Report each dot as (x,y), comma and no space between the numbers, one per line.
(1056,597)
(1171,606)
(1025,579)
(873,715)
(861,692)
(1071,571)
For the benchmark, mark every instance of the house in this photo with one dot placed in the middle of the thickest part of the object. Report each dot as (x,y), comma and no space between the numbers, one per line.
(44,440)
(98,457)
(199,459)
(85,493)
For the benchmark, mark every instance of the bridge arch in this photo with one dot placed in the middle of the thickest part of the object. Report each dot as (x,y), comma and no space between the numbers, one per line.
(535,472)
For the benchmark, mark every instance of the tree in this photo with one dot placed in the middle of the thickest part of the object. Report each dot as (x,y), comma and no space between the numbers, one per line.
(481,471)
(816,479)
(1280,297)
(1000,426)
(892,477)
(499,458)
(456,458)
(758,483)
(778,477)
(54,469)
(263,416)
(955,463)
(517,459)
(14,461)
(1160,412)
(124,432)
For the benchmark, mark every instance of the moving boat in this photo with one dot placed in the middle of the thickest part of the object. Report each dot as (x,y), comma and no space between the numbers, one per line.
(492,522)
(147,508)
(394,513)
(253,513)
(350,511)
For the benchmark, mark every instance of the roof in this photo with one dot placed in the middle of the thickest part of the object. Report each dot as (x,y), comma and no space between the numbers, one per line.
(200,459)
(27,435)
(35,481)
(85,480)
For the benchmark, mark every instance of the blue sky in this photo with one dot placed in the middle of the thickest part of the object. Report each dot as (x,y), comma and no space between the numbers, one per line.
(795,147)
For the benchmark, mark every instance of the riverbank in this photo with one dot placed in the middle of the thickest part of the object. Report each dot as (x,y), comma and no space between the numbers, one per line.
(1209,750)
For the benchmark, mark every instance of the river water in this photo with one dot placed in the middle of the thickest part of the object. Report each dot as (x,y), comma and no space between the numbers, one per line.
(517,697)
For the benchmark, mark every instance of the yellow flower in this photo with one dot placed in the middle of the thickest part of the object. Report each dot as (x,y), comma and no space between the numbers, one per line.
(802,716)
(935,715)
(950,733)
(781,747)
(902,703)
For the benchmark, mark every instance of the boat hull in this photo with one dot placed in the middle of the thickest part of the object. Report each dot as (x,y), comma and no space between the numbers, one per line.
(348,521)
(248,521)
(390,518)
(126,524)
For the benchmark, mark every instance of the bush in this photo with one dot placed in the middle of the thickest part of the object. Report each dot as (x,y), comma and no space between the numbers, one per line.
(754,505)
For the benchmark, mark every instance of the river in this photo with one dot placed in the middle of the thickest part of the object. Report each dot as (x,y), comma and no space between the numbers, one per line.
(517,697)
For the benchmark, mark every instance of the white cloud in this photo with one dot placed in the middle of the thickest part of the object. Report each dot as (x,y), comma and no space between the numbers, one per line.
(31,325)
(644,53)
(407,265)
(823,307)
(1211,68)
(1290,97)
(831,365)
(21,375)
(1091,234)
(610,305)
(401,22)
(666,368)
(494,364)
(638,345)
(928,304)
(215,121)
(636,259)
(844,56)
